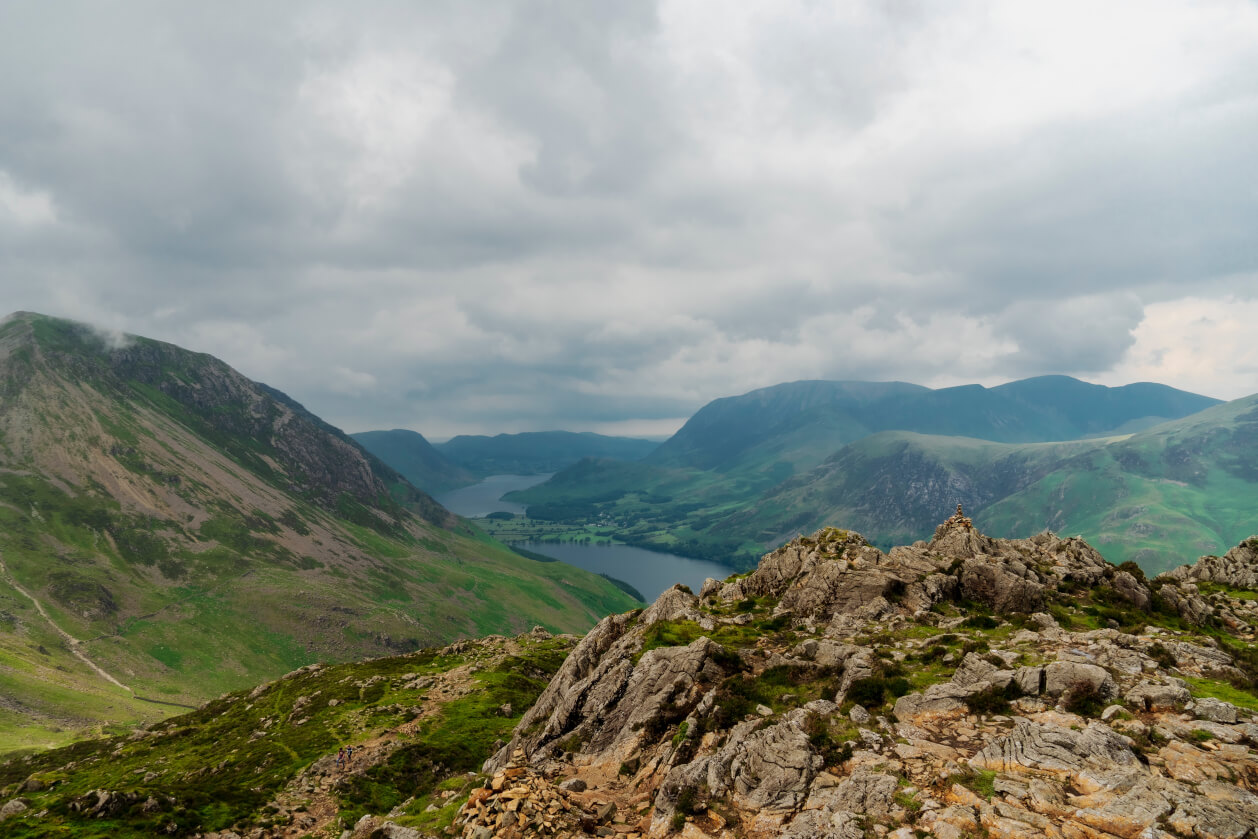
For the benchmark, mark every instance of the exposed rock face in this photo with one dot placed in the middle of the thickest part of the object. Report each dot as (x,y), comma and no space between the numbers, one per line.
(13,808)
(768,771)
(684,730)
(1061,676)
(1056,750)
(659,726)
(836,573)
(1237,568)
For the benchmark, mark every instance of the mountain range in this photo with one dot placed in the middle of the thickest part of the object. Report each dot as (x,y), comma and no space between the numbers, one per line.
(1146,471)
(170,529)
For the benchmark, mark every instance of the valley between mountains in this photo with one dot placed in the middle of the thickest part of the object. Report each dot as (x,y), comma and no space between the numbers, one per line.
(209,597)
(1144,472)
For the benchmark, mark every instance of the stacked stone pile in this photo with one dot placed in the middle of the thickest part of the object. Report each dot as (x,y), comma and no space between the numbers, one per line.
(520,803)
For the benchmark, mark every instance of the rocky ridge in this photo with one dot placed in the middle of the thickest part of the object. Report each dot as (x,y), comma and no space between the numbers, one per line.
(960,686)
(965,686)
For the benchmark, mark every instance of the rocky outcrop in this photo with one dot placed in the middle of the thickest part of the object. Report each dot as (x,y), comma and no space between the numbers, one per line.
(684,734)
(13,808)
(603,703)
(1056,749)
(1063,676)
(518,801)
(842,619)
(767,771)
(1237,568)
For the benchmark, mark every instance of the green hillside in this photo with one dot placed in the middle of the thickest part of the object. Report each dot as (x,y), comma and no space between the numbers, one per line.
(1183,488)
(170,530)
(252,758)
(896,484)
(1188,487)
(805,422)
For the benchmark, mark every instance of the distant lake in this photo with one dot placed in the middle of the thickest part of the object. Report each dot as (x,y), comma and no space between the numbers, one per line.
(484,498)
(650,572)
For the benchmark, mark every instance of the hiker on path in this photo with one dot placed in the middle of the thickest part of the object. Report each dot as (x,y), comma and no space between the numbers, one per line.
(349,755)
(340,758)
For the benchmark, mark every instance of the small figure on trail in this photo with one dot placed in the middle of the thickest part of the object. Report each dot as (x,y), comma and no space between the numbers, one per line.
(349,755)
(340,757)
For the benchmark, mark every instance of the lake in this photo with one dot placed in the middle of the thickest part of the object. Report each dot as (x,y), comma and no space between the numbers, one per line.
(650,572)
(484,498)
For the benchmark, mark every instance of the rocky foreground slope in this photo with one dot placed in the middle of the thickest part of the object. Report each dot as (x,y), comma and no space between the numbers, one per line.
(966,685)
(962,686)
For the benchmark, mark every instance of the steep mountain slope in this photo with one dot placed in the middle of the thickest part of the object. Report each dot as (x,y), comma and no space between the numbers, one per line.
(965,686)
(170,529)
(415,459)
(538,452)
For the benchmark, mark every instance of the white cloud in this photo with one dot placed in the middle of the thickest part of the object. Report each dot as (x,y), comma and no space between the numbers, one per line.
(24,208)
(1197,344)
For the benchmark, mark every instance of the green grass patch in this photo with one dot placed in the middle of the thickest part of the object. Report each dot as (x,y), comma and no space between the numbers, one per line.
(680,633)
(1208,588)
(1217,689)
(981,782)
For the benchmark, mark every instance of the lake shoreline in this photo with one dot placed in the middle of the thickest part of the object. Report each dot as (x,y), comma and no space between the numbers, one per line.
(646,570)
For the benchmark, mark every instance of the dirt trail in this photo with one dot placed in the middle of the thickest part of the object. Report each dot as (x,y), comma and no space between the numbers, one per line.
(75,645)
(313,790)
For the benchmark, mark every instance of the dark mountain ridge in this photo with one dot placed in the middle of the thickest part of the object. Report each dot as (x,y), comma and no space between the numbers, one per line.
(1041,409)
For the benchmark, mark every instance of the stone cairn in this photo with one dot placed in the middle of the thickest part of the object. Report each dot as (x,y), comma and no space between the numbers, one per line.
(518,802)
(957,521)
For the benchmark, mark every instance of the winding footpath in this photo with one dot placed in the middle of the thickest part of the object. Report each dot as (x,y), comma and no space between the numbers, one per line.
(75,645)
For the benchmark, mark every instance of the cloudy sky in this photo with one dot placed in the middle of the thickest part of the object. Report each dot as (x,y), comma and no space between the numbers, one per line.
(504,216)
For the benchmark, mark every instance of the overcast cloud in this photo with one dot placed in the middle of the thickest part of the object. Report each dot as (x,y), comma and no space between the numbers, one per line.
(481,217)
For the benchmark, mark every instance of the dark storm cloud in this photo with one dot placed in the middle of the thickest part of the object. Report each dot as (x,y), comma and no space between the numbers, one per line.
(1136,202)
(151,129)
(496,216)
